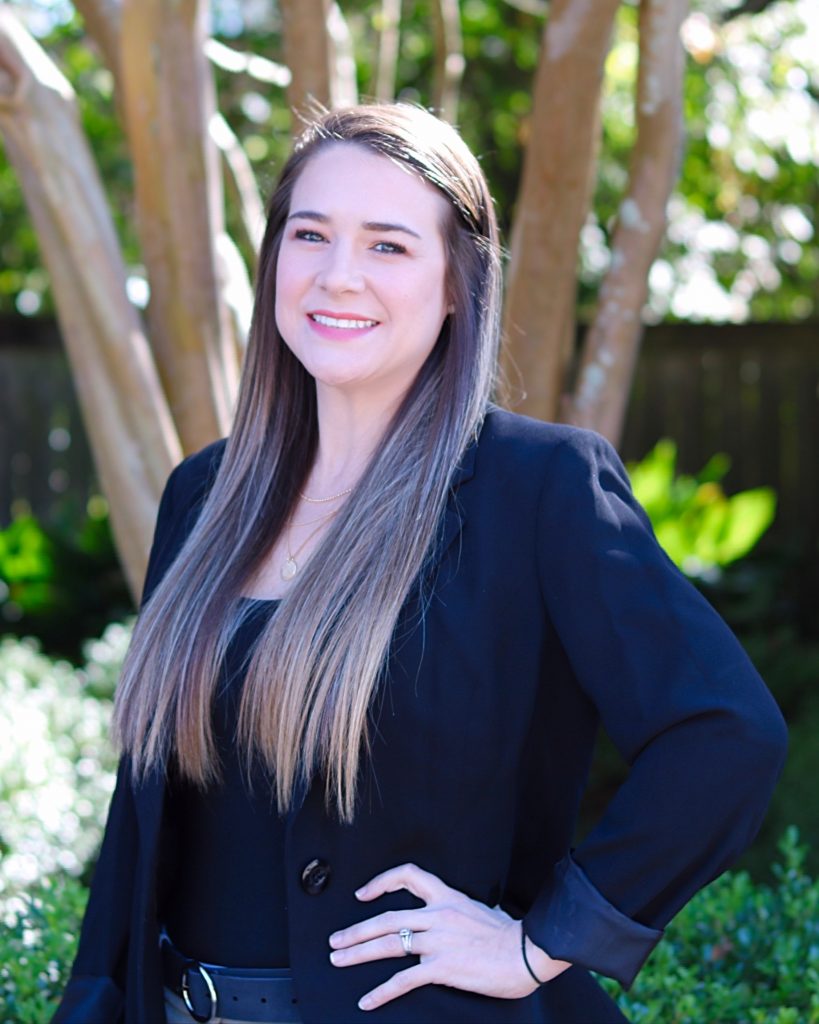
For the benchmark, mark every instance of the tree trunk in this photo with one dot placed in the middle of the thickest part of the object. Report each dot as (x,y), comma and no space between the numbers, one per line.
(126,415)
(449,58)
(318,52)
(553,200)
(389,21)
(168,100)
(612,343)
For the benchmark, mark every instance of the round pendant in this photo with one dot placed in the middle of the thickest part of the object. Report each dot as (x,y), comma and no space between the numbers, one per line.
(288,569)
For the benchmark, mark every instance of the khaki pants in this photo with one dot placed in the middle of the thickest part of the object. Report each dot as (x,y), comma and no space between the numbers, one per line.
(176,1012)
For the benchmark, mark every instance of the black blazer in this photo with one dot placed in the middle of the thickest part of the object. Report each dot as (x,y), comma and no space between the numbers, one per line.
(552,608)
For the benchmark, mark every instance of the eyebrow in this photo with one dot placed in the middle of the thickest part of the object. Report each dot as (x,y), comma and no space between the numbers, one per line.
(370,225)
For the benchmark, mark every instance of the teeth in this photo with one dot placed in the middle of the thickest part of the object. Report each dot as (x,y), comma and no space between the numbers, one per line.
(331,321)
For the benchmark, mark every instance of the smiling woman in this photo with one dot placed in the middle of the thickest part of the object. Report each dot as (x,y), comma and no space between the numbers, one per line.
(381,624)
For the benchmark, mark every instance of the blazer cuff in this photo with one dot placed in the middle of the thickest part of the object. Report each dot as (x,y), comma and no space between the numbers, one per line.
(88,998)
(571,920)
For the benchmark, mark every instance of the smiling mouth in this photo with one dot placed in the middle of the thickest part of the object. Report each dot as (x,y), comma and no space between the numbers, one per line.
(345,323)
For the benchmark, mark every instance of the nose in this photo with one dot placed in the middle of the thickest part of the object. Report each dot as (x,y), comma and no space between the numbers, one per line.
(340,271)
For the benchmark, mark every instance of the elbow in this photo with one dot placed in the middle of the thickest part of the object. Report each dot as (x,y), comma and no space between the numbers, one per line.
(759,753)
(769,743)
(751,764)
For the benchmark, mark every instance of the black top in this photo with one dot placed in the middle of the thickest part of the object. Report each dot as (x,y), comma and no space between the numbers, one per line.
(227,902)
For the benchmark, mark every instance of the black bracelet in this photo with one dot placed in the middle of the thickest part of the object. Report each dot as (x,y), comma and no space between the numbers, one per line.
(526,958)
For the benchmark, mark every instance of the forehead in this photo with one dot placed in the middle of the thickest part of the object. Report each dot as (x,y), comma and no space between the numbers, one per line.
(347,178)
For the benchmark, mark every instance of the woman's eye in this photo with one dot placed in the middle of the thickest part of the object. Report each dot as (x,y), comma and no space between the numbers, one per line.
(307,235)
(389,247)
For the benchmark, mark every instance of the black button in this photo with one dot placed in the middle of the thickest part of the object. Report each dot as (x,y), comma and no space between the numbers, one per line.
(315,877)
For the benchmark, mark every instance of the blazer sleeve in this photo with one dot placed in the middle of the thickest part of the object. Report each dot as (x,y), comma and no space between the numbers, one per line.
(95,990)
(704,740)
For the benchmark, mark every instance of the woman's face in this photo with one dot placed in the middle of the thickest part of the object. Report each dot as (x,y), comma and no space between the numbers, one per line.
(360,284)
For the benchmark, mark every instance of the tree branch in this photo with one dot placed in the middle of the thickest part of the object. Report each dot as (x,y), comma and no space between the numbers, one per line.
(538,8)
(251,64)
(241,181)
(127,418)
(612,342)
(748,7)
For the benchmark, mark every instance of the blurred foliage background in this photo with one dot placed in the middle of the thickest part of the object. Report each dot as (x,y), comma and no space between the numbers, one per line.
(741,248)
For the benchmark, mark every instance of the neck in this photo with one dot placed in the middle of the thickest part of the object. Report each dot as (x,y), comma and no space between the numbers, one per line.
(350,428)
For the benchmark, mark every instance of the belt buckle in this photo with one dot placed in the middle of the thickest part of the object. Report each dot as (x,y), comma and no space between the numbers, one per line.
(185,986)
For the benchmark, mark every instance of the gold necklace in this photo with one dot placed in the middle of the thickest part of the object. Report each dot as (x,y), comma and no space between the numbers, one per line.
(319,519)
(321,501)
(290,566)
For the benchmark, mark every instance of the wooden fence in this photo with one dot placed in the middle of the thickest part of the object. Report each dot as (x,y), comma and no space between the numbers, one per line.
(45,461)
(751,391)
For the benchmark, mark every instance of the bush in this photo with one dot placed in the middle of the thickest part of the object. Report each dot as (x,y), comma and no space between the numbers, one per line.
(61,581)
(56,759)
(739,953)
(698,525)
(38,938)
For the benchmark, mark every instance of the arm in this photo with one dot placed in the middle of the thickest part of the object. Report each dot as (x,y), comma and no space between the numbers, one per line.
(704,740)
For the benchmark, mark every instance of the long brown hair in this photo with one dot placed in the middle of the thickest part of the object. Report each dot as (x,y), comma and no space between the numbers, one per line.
(318,661)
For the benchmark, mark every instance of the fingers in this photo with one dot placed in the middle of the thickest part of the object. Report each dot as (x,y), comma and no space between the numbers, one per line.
(398,985)
(461,942)
(385,947)
(389,923)
(420,883)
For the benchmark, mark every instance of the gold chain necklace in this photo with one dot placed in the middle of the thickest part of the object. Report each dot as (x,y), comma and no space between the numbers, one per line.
(290,566)
(322,501)
(319,519)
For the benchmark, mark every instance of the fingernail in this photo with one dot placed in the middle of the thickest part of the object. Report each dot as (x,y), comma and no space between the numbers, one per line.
(360,892)
(334,939)
(365,1003)
(334,958)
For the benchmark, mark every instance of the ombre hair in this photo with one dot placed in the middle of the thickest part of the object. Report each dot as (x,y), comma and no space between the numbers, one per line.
(319,660)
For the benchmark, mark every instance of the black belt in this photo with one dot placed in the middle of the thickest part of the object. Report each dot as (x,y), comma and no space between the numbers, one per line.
(244,993)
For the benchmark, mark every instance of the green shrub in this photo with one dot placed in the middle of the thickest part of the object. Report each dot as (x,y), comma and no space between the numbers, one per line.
(38,937)
(698,525)
(61,581)
(56,759)
(739,953)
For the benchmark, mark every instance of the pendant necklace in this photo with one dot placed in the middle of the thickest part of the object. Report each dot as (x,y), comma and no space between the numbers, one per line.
(290,566)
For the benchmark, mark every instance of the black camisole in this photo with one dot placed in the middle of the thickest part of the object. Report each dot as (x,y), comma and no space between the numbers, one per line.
(225,902)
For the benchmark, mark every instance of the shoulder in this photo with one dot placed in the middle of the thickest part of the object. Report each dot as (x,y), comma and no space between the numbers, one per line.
(192,478)
(564,470)
(199,469)
(525,442)
(179,506)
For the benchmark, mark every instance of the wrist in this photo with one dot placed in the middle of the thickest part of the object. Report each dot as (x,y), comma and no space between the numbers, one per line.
(539,965)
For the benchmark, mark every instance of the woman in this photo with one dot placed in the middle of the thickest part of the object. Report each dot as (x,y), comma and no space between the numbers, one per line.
(380,626)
